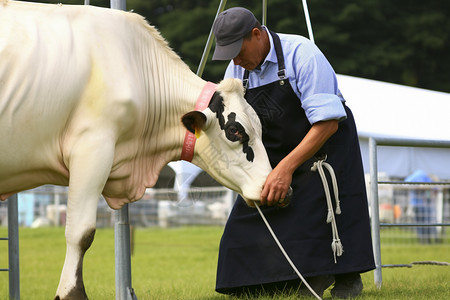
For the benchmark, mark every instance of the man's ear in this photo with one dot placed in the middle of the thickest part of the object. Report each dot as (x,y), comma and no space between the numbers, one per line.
(194,121)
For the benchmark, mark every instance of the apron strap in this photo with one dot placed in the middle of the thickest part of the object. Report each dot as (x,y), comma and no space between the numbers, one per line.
(280,57)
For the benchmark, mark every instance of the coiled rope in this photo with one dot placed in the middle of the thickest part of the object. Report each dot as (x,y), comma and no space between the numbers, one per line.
(336,244)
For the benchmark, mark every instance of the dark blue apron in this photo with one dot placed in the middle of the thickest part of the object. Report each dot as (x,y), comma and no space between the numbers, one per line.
(248,255)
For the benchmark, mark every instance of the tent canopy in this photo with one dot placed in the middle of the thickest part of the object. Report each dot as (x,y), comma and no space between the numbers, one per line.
(395,111)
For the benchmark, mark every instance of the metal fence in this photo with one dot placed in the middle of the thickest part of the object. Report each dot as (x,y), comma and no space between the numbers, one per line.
(404,205)
(46,206)
(425,224)
(168,208)
(13,247)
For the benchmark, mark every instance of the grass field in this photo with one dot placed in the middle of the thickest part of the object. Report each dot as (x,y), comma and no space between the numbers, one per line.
(180,263)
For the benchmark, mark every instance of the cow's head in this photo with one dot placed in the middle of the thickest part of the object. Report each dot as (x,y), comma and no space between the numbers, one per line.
(229,145)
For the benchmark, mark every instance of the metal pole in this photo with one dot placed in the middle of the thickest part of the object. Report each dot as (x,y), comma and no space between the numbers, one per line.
(57,203)
(13,248)
(375,215)
(124,291)
(119,4)
(308,20)
(201,65)
(264,12)
(403,142)
(122,254)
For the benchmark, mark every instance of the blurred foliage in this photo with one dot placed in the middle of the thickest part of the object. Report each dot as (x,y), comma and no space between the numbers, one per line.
(402,41)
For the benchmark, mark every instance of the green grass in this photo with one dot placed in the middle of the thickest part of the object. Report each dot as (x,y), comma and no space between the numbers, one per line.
(180,263)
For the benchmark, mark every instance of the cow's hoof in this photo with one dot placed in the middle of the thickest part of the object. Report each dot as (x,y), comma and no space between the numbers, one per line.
(72,298)
(75,294)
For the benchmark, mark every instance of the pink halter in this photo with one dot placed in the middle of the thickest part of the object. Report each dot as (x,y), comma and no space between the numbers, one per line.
(202,102)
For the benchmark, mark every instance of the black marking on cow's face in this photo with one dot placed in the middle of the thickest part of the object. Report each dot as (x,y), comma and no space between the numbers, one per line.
(234,131)
(216,105)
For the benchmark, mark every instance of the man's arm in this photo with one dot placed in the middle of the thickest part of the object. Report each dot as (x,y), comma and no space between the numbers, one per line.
(278,182)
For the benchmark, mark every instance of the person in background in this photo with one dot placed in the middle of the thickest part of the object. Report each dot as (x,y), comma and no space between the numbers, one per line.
(423,202)
(306,127)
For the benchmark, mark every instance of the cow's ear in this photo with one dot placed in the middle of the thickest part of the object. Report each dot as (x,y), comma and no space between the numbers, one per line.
(194,121)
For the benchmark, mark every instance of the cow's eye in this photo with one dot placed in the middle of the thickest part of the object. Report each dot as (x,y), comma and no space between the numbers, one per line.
(232,132)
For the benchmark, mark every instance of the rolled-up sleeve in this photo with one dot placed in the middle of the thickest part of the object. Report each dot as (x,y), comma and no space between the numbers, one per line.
(317,85)
(323,107)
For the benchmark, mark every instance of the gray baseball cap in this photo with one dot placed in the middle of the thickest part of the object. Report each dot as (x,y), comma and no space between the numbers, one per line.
(229,28)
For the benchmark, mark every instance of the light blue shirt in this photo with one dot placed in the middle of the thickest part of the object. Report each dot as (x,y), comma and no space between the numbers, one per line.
(310,74)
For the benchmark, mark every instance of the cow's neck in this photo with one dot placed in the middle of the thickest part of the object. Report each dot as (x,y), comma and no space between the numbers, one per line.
(167,137)
(171,93)
(167,96)
(186,93)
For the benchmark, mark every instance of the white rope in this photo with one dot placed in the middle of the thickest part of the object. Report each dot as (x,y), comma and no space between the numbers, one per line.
(336,244)
(284,252)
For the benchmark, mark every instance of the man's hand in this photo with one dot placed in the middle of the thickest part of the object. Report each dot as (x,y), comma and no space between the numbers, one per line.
(278,182)
(276,186)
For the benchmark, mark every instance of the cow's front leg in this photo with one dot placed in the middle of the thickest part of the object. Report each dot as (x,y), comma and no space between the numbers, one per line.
(89,164)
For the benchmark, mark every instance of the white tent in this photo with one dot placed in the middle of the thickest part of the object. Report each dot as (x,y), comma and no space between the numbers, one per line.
(390,110)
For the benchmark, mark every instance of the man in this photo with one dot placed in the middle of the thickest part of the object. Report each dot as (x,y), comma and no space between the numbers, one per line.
(423,203)
(305,123)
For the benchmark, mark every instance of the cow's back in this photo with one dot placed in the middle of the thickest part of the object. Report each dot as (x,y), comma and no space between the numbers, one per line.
(47,66)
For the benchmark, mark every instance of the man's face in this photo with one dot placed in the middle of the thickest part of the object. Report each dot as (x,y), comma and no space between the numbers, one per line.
(252,51)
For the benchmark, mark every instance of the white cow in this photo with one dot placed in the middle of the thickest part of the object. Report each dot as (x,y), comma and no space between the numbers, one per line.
(92,98)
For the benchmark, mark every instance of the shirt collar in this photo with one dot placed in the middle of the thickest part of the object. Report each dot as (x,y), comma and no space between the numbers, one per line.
(272,55)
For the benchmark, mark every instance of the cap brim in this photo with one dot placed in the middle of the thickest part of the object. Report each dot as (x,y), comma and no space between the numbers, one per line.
(227,52)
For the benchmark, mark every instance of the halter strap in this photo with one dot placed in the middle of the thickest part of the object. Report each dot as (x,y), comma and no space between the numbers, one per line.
(187,153)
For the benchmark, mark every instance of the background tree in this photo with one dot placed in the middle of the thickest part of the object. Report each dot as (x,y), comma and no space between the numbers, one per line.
(402,41)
